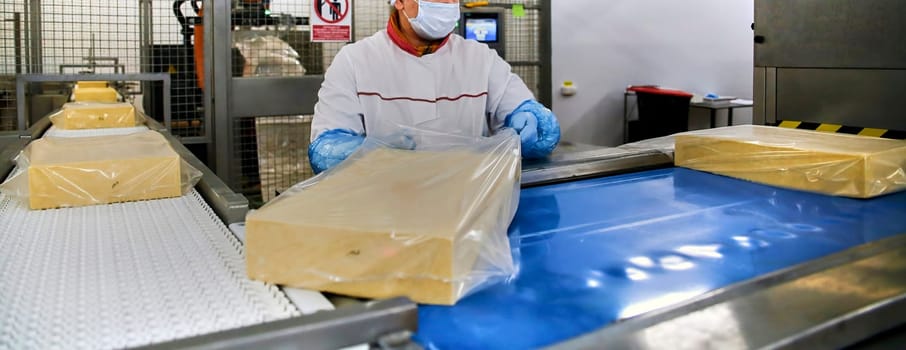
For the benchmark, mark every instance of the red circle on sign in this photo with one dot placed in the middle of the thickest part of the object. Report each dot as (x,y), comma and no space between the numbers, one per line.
(331,6)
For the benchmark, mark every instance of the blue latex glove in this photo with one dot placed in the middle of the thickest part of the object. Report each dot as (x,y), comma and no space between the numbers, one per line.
(526,125)
(332,147)
(537,128)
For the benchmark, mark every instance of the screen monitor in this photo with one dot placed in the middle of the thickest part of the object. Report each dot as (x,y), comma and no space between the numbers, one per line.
(482,29)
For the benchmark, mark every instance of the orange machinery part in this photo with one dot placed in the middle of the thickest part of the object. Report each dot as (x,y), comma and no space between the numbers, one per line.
(199,46)
(199,51)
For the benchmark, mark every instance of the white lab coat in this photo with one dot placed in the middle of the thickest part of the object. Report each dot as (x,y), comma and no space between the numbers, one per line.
(459,89)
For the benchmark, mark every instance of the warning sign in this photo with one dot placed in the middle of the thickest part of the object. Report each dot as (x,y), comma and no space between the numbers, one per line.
(331,21)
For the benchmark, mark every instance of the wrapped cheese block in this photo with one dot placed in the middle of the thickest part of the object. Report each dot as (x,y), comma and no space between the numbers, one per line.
(70,172)
(834,164)
(95,115)
(94,94)
(91,84)
(429,225)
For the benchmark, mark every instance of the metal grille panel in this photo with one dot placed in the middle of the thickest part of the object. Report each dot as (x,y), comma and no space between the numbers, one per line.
(282,153)
(101,36)
(124,275)
(57,132)
(273,155)
(523,43)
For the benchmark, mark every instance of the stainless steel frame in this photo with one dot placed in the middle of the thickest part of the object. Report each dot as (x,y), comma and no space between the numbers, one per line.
(369,323)
(547,96)
(830,302)
(22,81)
(254,97)
(218,80)
(33,37)
(605,162)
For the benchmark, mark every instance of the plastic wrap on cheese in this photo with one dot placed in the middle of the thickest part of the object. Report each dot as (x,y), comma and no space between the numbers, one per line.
(70,172)
(96,115)
(834,164)
(91,84)
(92,94)
(430,224)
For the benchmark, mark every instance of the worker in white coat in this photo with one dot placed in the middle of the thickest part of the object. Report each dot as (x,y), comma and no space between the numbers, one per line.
(417,74)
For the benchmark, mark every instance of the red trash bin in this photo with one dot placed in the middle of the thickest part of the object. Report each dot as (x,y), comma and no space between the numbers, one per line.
(662,112)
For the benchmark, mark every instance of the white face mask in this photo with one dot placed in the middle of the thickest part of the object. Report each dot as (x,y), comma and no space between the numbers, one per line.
(435,20)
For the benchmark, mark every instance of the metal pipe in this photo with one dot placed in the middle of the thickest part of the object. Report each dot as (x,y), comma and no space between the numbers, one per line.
(145,26)
(546,88)
(21,84)
(218,69)
(207,94)
(354,37)
(27,37)
(365,323)
(17,41)
(117,68)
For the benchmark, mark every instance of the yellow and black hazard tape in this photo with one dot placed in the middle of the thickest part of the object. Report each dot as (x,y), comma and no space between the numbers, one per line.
(834,128)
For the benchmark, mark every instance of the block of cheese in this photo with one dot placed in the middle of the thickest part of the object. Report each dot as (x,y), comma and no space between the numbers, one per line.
(91,84)
(105,94)
(94,115)
(70,172)
(834,164)
(427,225)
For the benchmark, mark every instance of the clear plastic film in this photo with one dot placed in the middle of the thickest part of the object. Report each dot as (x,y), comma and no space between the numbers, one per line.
(61,172)
(267,55)
(428,223)
(92,84)
(96,115)
(833,164)
(664,144)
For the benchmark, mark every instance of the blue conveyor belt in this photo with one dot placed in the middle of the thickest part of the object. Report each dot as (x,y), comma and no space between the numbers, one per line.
(595,251)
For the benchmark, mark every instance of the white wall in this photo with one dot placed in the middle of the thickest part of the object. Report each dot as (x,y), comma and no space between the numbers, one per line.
(603,46)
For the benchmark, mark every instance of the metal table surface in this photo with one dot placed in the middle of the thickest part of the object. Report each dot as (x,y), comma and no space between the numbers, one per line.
(595,251)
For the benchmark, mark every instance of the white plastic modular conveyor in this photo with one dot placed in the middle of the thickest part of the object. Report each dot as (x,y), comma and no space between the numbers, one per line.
(124,275)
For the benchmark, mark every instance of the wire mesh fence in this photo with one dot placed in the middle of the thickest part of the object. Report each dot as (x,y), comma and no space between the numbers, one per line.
(271,153)
(99,37)
(523,41)
(270,38)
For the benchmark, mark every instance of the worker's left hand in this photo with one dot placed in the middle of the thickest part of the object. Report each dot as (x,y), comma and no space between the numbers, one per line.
(537,128)
(526,125)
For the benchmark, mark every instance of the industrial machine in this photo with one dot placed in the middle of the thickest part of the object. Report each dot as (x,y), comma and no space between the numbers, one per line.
(835,62)
(612,238)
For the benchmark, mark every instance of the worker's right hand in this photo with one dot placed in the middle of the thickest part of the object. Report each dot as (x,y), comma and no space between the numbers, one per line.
(332,147)
(400,141)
